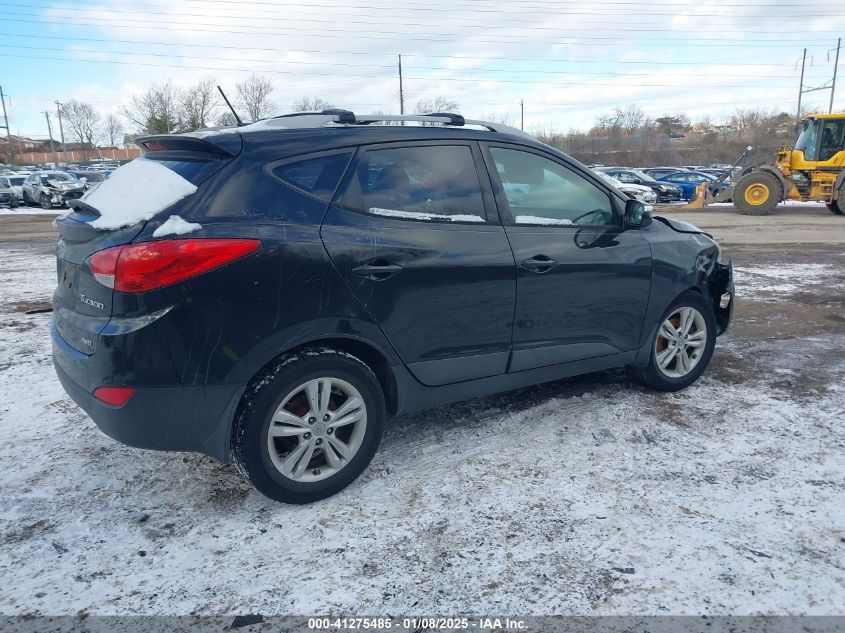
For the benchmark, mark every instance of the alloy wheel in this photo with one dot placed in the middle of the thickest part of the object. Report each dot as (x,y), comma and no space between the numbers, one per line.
(680,342)
(317,429)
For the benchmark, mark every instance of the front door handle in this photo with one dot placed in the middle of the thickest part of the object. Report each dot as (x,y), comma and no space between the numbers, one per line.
(377,270)
(539,263)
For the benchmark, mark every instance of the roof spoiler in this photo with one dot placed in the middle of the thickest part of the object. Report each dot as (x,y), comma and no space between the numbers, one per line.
(182,143)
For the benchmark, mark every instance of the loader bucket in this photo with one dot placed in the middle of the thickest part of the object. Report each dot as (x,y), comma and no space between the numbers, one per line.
(699,201)
(704,196)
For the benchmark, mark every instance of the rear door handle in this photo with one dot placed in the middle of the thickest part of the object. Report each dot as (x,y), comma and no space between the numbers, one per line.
(539,263)
(377,270)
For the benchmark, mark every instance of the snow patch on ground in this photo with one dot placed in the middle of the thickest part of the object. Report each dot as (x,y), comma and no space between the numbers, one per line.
(419,215)
(175,225)
(588,496)
(136,191)
(31,211)
(776,282)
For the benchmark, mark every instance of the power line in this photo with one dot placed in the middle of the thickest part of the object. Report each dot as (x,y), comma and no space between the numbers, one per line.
(605,41)
(379,54)
(383,76)
(482,6)
(359,65)
(287,19)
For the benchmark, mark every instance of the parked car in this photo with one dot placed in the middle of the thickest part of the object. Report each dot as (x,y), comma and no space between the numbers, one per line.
(90,178)
(689,181)
(666,192)
(274,299)
(637,192)
(51,188)
(659,172)
(8,198)
(13,182)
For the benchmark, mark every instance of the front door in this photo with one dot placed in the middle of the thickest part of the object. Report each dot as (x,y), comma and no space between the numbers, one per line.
(582,280)
(416,236)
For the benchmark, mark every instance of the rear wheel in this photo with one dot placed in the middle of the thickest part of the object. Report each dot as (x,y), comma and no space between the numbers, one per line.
(46,203)
(682,345)
(835,208)
(309,426)
(757,193)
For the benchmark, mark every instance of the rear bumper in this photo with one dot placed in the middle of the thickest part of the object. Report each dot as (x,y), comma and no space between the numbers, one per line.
(195,418)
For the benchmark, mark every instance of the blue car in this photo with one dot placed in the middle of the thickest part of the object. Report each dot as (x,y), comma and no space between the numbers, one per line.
(689,180)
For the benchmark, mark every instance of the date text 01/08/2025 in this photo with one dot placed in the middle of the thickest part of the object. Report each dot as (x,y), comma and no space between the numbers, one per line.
(416,623)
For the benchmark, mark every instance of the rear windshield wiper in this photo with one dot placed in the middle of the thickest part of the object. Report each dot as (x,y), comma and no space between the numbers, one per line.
(83,208)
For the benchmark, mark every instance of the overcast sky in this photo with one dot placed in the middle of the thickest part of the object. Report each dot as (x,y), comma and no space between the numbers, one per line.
(569,61)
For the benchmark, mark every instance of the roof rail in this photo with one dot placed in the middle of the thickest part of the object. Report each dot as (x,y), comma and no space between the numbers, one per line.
(346,117)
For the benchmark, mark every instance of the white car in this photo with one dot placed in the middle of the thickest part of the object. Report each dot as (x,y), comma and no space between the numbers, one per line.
(638,192)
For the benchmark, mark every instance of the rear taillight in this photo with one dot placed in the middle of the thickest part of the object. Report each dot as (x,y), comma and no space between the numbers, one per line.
(150,265)
(114,396)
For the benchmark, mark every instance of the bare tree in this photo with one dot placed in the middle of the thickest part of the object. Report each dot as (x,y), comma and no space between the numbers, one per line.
(630,119)
(156,111)
(311,104)
(226,119)
(437,104)
(113,129)
(82,121)
(254,96)
(501,118)
(198,103)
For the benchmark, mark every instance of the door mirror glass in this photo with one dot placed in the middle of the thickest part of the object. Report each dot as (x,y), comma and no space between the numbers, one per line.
(637,213)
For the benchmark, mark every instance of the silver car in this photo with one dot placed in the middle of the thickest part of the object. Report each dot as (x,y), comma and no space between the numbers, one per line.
(51,188)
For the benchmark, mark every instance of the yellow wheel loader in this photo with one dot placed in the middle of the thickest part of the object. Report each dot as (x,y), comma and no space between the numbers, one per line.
(813,170)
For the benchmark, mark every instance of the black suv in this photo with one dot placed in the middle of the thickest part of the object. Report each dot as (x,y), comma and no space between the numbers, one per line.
(278,290)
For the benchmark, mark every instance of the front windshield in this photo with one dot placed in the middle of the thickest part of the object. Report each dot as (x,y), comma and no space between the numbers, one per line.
(807,140)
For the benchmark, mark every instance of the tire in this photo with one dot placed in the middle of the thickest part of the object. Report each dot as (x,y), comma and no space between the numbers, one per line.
(757,193)
(833,207)
(13,203)
(45,201)
(278,393)
(655,377)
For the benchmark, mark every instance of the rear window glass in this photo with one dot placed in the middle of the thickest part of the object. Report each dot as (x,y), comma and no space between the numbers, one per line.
(316,176)
(194,170)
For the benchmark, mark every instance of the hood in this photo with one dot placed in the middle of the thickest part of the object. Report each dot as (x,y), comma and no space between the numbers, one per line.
(681,227)
(634,187)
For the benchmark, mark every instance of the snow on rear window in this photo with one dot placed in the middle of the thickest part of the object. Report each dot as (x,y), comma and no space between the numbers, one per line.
(135,192)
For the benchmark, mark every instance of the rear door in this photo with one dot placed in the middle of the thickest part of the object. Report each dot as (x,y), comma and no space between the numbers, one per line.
(415,234)
(582,281)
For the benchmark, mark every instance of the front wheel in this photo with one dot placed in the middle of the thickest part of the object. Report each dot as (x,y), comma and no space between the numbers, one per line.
(309,425)
(682,345)
(46,203)
(757,193)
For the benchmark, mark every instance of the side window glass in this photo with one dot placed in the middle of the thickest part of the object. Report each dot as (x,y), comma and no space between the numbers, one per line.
(436,183)
(541,191)
(316,176)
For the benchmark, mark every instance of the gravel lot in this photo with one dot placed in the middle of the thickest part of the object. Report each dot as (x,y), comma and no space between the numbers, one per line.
(584,496)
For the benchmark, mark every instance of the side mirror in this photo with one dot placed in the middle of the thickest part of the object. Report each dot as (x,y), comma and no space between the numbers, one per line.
(637,214)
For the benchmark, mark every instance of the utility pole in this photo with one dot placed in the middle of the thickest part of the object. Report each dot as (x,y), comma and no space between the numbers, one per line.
(61,129)
(801,89)
(50,132)
(6,118)
(401,91)
(521,115)
(835,68)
